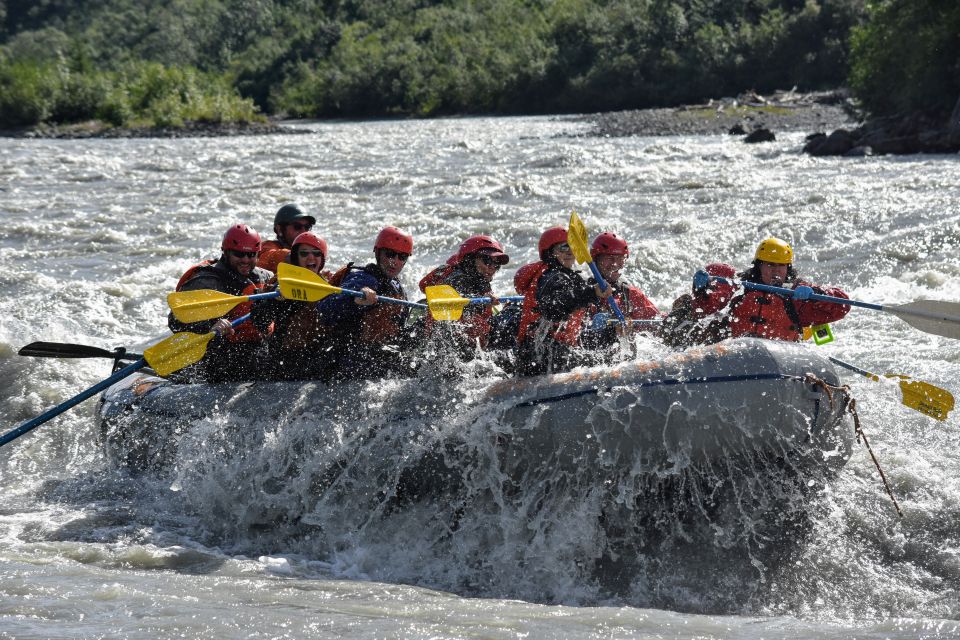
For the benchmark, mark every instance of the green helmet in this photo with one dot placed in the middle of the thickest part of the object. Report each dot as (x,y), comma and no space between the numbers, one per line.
(289,213)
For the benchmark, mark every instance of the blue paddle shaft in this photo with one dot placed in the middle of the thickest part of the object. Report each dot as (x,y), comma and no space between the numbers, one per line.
(406,303)
(610,300)
(789,292)
(487,300)
(264,296)
(131,368)
(29,425)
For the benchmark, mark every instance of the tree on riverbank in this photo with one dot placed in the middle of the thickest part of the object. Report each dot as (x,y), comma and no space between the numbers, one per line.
(64,60)
(906,58)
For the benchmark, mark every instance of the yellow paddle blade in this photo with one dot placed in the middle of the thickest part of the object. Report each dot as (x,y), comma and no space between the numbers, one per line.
(297,283)
(205,304)
(177,351)
(445,303)
(924,397)
(577,239)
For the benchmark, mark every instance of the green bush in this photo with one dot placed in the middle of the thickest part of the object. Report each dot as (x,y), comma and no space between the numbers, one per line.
(141,93)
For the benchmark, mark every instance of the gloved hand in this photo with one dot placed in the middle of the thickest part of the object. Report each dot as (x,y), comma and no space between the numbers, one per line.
(802,293)
(600,321)
(701,280)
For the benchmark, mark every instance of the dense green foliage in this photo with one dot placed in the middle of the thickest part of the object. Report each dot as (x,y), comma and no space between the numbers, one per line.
(68,59)
(145,93)
(907,57)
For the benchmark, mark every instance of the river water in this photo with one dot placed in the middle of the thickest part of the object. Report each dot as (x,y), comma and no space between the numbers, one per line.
(95,232)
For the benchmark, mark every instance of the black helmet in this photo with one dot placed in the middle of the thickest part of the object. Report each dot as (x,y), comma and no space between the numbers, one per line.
(290,213)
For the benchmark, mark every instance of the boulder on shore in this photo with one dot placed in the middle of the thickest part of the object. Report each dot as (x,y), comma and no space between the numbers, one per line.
(920,132)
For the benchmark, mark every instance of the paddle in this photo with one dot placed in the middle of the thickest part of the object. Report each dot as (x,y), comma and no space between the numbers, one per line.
(165,357)
(577,239)
(446,304)
(181,349)
(66,350)
(918,395)
(206,304)
(297,283)
(939,317)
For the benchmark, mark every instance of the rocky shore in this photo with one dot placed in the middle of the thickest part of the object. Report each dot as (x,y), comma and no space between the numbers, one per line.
(904,134)
(96,129)
(748,114)
(759,118)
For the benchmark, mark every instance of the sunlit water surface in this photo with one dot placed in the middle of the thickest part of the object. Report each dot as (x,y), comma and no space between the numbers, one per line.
(95,233)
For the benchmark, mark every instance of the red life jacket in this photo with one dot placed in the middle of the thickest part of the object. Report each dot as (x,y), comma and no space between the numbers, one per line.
(765,315)
(566,332)
(245,332)
(383,321)
(634,304)
(527,276)
(436,276)
(272,253)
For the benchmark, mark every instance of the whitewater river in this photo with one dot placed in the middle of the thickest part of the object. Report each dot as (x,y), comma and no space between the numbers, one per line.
(94,233)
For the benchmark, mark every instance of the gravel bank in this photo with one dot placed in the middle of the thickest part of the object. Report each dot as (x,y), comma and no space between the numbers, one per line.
(782,111)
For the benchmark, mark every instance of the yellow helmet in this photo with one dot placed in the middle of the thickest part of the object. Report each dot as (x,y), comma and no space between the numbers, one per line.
(774,250)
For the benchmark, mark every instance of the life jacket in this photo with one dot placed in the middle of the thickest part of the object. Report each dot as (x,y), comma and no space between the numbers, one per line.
(476,318)
(633,303)
(304,331)
(527,276)
(272,253)
(245,332)
(383,321)
(436,276)
(765,315)
(566,332)
(337,278)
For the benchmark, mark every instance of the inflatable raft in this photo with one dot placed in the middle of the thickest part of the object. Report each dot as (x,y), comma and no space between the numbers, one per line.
(741,398)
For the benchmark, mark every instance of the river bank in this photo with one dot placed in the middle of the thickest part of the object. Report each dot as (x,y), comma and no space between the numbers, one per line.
(743,115)
(98,129)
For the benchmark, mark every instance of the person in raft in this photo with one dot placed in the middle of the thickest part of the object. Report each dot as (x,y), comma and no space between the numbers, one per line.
(555,305)
(714,311)
(470,272)
(289,223)
(296,346)
(609,251)
(367,339)
(235,354)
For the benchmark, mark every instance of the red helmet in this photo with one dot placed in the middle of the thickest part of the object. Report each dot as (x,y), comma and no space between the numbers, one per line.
(484,244)
(393,238)
(721,269)
(609,244)
(550,237)
(311,240)
(240,237)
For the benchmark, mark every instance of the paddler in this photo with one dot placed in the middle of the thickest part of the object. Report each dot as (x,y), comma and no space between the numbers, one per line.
(368,339)
(234,354)
(714,311)
(289,222)
(609,252)
(470,272)
(296,347)
(556,300)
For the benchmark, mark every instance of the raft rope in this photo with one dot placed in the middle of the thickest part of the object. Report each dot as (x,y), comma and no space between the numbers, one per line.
(851,408)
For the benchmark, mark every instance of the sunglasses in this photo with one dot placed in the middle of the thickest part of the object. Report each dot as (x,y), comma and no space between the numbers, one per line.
(240,255)
(303,253)
(390,253)
(301,226)
(490,262)
(563,248)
